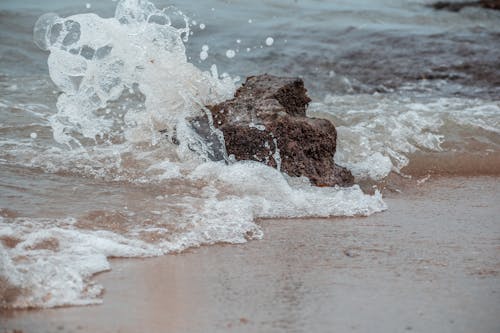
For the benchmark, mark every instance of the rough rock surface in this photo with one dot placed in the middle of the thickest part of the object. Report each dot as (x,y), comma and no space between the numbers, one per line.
(266,122)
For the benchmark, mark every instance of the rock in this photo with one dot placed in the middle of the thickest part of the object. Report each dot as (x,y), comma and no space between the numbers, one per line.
(490,4)
(458,6)
(266,122)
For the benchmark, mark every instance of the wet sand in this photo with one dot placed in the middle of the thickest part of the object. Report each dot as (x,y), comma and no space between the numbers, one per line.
(431,263)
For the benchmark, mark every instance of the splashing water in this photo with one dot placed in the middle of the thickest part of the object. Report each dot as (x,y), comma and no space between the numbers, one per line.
(94,60)
(127,84)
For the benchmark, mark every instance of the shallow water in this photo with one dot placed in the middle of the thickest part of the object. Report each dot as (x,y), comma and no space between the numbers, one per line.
(85,173)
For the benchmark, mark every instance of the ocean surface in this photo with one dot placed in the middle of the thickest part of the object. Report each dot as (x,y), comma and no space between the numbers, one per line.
(88,87)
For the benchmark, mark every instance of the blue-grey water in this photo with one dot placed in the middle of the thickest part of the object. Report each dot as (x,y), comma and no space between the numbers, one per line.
(412,91)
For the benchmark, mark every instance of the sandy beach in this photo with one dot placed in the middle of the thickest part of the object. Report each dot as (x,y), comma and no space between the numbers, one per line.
(134,191)
(430,263)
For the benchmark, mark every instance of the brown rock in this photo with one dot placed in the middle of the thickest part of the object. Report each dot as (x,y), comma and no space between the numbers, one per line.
(490,4)
(266,122)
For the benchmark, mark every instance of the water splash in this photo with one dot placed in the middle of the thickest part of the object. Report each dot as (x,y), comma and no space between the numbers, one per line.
(94,60)
(128,93)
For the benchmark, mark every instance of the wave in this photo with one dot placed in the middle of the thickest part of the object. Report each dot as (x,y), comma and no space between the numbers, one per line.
(118,171)
(127,92)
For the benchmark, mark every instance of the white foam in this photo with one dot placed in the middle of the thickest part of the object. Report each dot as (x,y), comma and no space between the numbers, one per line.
(378,133)
(126,78)
(54,262)
(273,196)
(94,60)
(59,257)
(203,55)
(375,166)
(127,90)
(62,255)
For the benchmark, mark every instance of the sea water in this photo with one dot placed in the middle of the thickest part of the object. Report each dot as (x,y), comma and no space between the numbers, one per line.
(98,159)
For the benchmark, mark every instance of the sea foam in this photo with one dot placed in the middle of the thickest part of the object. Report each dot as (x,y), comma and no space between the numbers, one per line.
(127,93)
(93,60)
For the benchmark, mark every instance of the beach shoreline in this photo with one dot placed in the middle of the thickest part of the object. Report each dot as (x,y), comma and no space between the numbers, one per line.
(430,263)
(101,162)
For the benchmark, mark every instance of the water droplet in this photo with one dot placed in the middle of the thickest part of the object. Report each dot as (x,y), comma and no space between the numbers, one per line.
(269,41)
(230,53)
(42,29)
